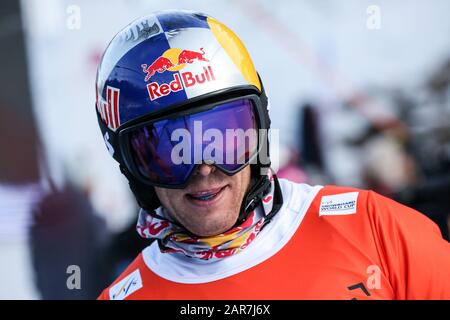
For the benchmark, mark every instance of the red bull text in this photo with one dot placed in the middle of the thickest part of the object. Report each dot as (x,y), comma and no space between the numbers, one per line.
(181,81)
(188,79)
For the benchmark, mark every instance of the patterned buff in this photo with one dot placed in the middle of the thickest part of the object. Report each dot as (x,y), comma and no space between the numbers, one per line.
(173,238)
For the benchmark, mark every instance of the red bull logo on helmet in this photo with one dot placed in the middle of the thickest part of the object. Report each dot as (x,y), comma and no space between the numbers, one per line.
(109,108)
(175,59)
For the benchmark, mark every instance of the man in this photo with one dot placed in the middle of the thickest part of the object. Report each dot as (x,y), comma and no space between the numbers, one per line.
(184,112)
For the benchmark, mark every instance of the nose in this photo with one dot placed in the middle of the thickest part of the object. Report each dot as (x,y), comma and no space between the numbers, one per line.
(205,169)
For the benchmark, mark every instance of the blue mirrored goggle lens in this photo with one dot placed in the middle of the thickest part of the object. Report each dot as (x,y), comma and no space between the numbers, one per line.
(166,151)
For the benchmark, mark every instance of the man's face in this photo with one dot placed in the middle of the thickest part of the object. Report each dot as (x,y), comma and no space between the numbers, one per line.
(210,203)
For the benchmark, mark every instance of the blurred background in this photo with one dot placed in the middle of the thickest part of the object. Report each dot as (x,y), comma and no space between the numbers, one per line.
(359,90)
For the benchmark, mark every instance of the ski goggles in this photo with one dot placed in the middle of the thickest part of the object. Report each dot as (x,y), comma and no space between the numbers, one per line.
(165,151)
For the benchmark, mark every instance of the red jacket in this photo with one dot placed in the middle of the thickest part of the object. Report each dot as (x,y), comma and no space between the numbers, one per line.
(347,244)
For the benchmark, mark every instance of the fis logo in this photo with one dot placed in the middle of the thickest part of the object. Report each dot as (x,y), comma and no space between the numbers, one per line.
(175,59)
(126,286)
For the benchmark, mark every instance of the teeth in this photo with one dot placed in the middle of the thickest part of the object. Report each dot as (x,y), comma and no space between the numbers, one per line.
(204,198)
(204,195)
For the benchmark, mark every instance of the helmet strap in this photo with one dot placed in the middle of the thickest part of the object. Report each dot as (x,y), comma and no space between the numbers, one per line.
(257,192)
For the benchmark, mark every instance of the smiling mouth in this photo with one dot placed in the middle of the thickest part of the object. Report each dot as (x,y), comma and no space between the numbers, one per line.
(206,195)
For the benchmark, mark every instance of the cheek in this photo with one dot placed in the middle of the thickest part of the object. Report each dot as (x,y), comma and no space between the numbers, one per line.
(167,197)
(161,195)
(245,179)
(242,182)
